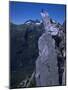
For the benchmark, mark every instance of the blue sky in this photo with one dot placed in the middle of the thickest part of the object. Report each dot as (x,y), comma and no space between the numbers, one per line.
(21,11)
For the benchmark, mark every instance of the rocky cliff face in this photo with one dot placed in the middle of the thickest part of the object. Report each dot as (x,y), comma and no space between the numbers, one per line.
(49,63)
(46,64)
